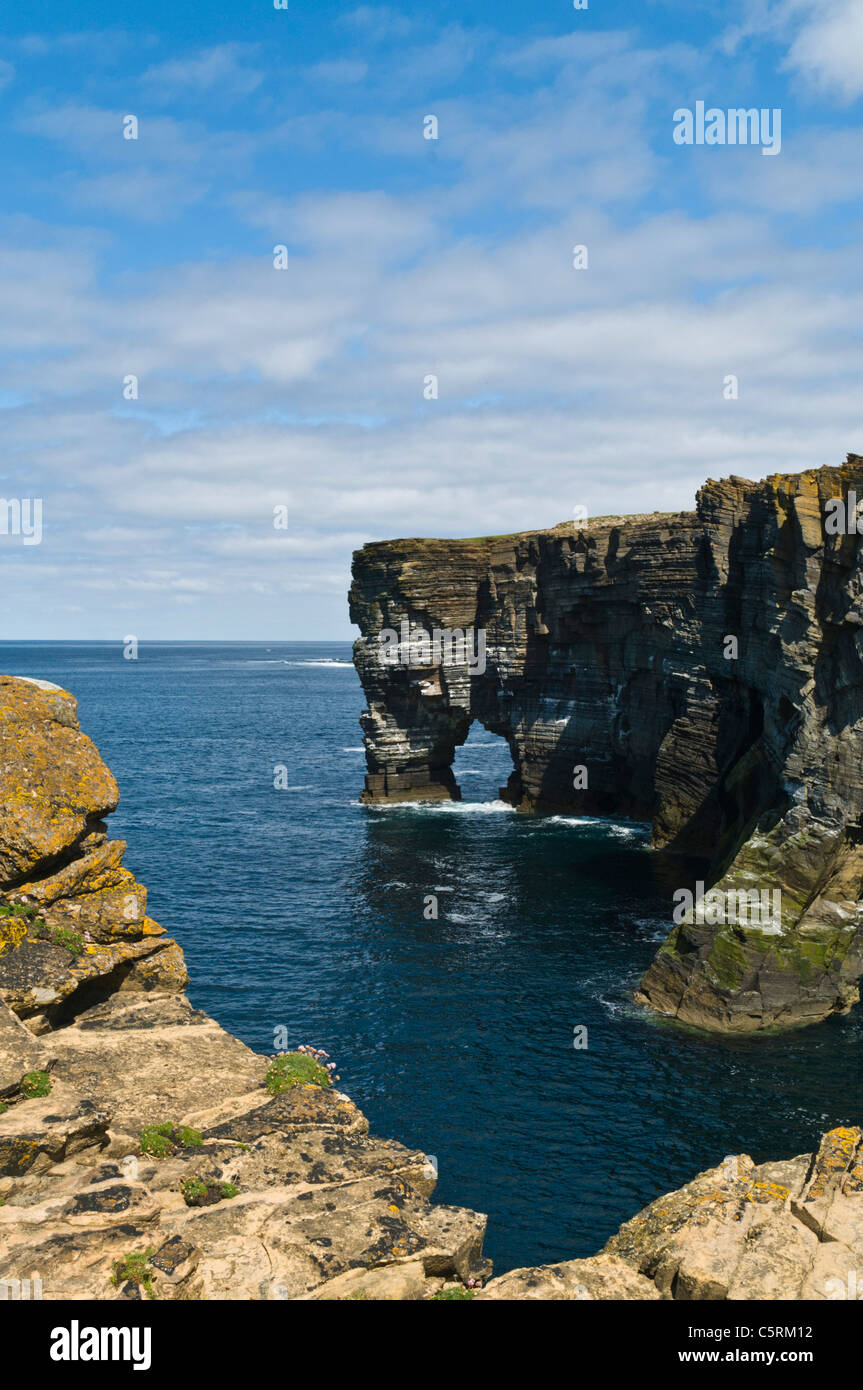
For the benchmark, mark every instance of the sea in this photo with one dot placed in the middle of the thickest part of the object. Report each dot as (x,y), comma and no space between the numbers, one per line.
(499,1035)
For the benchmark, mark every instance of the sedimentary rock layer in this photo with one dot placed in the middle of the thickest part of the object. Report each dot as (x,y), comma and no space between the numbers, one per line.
(701,670)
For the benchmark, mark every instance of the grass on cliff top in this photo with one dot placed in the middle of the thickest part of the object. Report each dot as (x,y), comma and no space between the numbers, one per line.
(295,1069)
(558,528)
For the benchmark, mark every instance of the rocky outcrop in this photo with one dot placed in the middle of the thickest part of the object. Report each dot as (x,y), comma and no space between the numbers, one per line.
(703,671)
(740,1231)
(98,1043)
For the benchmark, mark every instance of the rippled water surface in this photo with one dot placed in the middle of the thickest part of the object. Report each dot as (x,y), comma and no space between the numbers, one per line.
(302,908)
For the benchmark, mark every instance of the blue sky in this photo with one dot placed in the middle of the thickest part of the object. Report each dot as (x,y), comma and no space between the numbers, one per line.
(260,388)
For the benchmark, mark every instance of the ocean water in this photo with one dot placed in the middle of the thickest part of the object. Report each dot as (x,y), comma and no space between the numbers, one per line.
(300,908)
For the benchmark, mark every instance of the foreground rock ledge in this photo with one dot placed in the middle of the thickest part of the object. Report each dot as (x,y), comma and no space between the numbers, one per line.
(607,648)
(323,1209)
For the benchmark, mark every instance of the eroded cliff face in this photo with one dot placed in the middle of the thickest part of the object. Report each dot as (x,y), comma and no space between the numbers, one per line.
(608,649)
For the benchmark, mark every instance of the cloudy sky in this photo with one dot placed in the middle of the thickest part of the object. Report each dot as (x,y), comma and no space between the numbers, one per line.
(260,388)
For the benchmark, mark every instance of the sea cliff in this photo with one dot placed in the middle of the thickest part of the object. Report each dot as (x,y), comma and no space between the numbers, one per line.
(700,670)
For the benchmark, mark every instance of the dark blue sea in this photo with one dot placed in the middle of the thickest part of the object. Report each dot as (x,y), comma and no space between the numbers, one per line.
(300,908)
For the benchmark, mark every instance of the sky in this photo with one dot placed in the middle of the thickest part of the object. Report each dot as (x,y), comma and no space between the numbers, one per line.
(303,391)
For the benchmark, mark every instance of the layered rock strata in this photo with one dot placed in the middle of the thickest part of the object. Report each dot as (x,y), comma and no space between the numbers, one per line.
(701,670)
(98,1042)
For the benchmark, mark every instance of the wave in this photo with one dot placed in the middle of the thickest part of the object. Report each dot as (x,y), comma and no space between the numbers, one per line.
(465,808)
(634,831)
(326,661)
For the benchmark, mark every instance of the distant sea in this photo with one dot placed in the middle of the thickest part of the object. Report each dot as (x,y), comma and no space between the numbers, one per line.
(301,908)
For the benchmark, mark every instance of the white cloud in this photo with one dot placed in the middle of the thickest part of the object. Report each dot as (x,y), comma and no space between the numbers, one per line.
(828,50)
(823,39)
(224,68)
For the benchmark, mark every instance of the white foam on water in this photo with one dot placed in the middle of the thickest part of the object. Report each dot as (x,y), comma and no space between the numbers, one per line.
(463,808)
(327,662)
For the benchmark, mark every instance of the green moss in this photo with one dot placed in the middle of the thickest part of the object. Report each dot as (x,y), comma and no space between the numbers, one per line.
(36,1083)
(728,961)
(205,1192)
(160,1141)
(295,1069)
(135,1269)
(194,1191)
(156,1140)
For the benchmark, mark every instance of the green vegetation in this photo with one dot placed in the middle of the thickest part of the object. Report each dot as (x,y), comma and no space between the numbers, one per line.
(205,1192)
(162,1140)
(134,1269)
(451,1295)
(295,1069)
(156,1140)
(63,936)
(36,1083)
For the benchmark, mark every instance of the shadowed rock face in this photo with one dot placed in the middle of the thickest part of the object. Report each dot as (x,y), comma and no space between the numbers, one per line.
(607,648)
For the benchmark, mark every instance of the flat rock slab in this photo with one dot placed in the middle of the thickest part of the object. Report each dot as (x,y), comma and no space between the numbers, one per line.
(36,1133)
(153,1059)
(20,1052)
(600,1277)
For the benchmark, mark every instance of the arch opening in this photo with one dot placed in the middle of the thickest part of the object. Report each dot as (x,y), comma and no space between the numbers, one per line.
(482,765)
